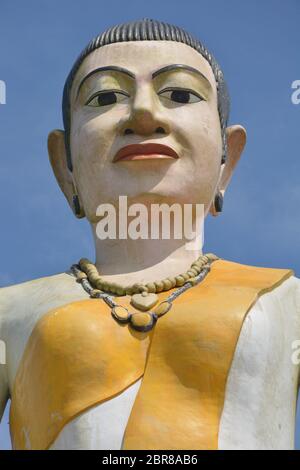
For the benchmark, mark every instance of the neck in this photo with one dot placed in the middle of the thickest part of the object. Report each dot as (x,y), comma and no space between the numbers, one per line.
(130,261)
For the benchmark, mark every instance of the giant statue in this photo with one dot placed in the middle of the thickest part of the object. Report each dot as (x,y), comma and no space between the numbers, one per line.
(152,345)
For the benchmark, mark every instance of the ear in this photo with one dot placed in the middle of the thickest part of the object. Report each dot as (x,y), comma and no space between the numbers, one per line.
(236,140)
(58,160)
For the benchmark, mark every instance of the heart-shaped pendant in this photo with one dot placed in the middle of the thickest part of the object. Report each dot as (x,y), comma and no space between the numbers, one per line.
(144,301)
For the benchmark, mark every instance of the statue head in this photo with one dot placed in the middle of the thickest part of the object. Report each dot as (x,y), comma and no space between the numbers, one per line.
(145,82)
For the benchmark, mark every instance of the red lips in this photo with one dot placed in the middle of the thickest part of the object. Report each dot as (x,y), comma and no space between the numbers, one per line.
(145,152)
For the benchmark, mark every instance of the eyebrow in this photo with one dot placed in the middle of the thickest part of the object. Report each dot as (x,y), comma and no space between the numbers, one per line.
(105,69)
(167,68)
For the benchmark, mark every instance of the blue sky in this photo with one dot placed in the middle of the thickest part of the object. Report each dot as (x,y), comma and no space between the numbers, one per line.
(257,45)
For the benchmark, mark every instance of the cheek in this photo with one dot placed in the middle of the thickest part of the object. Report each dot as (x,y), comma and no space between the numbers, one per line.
(91,141)
(92,135)
(205,130)
(200,135)
(197,127)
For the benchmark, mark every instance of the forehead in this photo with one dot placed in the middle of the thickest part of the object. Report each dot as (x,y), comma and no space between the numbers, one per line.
(143,58)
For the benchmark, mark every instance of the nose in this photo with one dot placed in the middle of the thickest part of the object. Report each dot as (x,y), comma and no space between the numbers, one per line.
(145,115)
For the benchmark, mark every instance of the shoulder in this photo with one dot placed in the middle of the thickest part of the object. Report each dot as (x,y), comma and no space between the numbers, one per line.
(22,305)
(290,289)
(278,284)
(234,266)
(287,293)
(18,300)
(243,275)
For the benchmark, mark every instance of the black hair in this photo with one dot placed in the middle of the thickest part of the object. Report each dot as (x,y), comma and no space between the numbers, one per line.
(147,30)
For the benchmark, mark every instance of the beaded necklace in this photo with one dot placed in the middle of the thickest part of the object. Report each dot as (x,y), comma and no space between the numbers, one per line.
(143,296)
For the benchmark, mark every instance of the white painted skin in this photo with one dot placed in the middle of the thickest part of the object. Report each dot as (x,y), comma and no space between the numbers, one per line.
(261,392)
(98,133)
(193,130)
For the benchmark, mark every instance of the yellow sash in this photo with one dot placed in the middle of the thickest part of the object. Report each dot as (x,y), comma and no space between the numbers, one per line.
(78,356)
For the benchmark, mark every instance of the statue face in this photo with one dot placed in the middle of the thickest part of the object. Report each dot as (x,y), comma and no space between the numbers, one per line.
(176,108)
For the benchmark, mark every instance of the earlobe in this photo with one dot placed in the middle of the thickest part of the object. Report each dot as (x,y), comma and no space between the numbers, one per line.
(64,177)
(236,141)
(57,157)
(58,160)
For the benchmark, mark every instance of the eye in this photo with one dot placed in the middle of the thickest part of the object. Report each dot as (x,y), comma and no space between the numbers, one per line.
(106,98)
(181,95)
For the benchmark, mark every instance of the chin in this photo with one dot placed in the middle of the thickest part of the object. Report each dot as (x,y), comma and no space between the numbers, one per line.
(167,196)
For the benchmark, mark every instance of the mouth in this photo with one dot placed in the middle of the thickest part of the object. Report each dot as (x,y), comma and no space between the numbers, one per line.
(145,152)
